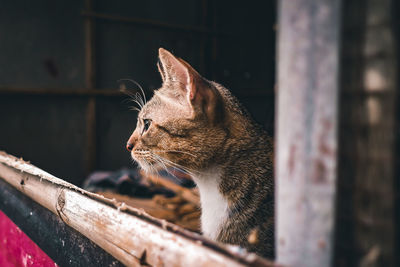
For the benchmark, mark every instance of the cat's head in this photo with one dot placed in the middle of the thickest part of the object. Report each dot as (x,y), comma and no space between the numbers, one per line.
(183,124)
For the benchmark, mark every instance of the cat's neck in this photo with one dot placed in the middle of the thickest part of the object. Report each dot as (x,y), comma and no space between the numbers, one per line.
(213,204)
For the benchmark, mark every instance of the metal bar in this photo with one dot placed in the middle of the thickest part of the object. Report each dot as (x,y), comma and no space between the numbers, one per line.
(90,80)
(154,24)
(63,92)
(61,243)
(308,53)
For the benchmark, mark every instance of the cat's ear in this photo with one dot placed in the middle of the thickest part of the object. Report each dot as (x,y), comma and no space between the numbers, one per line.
(161,70)
(195,89)
(173,70)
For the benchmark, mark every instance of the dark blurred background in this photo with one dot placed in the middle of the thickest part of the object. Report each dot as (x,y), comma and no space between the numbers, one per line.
(61,108)
(60,62)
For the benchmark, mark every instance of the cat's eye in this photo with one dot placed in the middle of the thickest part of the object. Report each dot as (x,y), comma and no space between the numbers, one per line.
(146,125)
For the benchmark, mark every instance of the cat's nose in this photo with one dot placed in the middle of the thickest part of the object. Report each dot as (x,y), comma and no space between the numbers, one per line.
(131,142)
(129,146)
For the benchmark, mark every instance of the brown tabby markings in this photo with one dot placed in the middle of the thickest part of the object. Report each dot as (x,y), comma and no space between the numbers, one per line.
(198,126)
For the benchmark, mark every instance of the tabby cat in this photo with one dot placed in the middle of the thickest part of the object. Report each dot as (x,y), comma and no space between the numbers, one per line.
(197,125)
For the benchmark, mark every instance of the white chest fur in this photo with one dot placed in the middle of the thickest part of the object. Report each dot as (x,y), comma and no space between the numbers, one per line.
(214,207)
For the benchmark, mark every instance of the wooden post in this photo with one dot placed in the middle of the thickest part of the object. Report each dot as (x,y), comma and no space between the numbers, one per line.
(308,53)
(366,232)
(90,83)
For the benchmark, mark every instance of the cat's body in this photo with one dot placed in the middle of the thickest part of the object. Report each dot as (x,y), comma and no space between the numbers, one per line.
(199,126)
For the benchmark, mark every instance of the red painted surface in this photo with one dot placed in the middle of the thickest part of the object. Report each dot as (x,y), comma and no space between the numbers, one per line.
(17,249)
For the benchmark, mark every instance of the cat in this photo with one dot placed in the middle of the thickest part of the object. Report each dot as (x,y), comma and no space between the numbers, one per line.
(198,126)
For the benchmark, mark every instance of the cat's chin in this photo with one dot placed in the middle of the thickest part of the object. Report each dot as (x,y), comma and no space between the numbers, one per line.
(150,168)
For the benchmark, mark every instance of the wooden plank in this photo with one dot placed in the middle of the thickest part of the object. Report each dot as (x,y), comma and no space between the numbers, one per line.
(126,233)
(308,52)
(63,91)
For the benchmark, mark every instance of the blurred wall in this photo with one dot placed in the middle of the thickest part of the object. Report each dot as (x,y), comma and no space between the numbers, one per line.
(43,50)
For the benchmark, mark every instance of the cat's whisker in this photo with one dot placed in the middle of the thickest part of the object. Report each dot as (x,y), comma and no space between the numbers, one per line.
(154,169)
(141,89)
(134,109)
(164,161)
(132,99)
(136,98)
(134,162)
(176,151)
(184,169)
(125,91)
(161,161)
(148,165)
(139,99)
(139,86)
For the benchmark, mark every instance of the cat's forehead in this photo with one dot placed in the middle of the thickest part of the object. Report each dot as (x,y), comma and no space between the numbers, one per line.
(163,107)
(151,106)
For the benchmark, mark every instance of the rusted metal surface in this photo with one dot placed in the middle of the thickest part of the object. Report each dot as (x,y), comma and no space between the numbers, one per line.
(308,53)
(128,234)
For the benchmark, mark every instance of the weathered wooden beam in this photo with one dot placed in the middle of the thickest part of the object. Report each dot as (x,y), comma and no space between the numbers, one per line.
(155,24)
(308,53)
(128,234)
(96,92)
(63,91)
